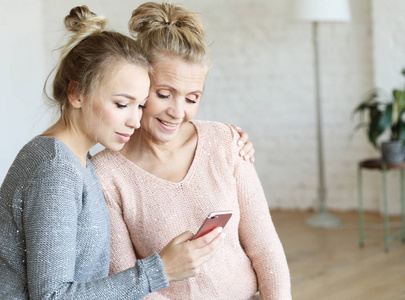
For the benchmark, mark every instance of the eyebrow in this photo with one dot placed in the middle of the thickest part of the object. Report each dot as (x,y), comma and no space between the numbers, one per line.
(126,96)
(129,96)
(171,88)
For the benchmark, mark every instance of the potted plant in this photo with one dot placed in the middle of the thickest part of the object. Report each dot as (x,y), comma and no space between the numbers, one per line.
(386,115)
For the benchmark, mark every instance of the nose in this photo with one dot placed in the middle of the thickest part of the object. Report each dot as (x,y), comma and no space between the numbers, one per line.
(176,109)
(134,120)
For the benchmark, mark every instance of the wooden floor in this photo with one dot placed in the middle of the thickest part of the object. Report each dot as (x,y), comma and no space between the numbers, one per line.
(328,264)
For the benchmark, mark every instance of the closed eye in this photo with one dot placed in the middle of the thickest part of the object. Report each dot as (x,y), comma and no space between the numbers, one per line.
(163,96)
(142,106)
(190,100)
(119,105)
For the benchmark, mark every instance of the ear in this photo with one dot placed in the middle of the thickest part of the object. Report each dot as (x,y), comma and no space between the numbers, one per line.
(75,99)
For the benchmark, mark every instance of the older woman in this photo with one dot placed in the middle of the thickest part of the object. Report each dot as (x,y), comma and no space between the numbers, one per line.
(174,171)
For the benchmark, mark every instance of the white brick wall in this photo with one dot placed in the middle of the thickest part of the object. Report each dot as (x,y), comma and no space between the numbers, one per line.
(268,70)
(262,79)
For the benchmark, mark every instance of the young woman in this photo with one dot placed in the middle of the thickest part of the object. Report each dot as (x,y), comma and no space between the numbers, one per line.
(55,230)
(175,171)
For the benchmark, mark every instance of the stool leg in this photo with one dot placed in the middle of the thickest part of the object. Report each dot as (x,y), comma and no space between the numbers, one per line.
(361,212)
(402,207)
(386,218)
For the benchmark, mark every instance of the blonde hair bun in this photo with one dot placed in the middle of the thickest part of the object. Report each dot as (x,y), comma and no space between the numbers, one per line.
(83,23)
(163,28)
(82,20)
(152,16)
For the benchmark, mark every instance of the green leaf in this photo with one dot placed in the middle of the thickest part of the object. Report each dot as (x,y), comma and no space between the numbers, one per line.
(363,107)
(375,129)
(386,118)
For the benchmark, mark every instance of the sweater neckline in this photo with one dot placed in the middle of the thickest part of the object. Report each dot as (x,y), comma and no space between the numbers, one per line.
(189,173)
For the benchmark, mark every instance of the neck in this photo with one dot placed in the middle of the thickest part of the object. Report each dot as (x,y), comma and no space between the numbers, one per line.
(77,141)
(142,144)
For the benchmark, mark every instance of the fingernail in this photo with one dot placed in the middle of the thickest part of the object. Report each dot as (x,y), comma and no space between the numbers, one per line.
(219,229)
(252,160)
(238,128)
(223,235)
(246,157)
(240,143)
(242,153)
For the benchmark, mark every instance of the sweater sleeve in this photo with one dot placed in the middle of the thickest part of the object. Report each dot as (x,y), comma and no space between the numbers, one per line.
(51,208)
(257,232)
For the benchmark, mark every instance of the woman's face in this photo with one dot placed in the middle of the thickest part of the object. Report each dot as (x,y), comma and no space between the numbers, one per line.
(115,110)
(174,97)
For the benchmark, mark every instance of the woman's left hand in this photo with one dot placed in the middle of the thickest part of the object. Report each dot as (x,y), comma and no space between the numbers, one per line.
(247,151)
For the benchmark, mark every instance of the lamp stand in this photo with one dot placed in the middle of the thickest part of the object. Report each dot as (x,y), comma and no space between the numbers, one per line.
(322,218)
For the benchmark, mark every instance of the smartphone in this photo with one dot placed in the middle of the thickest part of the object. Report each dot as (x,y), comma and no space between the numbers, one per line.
(214,220)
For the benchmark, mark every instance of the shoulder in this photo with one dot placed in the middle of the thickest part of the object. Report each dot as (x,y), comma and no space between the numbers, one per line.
(38,150)
(43,170)
(105,155)
(59,172)
(218,140)
(105,160)
(215,129)
(45,157)
(220,135)
(109,167)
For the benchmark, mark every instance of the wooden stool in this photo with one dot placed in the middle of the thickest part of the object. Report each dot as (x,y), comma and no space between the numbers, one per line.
(378,164)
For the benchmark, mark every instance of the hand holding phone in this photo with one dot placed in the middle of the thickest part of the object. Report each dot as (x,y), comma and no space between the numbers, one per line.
(214,220)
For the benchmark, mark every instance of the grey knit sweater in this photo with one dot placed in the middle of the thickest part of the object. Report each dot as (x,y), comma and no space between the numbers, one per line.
(55,232)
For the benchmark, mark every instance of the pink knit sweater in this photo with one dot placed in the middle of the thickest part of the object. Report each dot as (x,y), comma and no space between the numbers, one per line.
(147,212)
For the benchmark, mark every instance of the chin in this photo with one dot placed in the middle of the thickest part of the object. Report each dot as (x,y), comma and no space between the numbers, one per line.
(118,147)
(114,146)
(165,138)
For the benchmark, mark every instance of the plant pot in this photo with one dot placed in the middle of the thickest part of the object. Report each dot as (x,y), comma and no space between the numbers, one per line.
(393,152)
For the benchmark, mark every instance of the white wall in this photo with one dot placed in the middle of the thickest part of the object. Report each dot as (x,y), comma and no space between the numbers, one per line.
(262,79)
(388,43)
(22,74)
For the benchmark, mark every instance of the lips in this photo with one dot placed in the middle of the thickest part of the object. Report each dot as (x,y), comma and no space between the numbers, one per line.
(124,137)
(168,125)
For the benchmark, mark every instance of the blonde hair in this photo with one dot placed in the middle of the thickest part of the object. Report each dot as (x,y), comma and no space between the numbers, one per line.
(165,29)
(89,57)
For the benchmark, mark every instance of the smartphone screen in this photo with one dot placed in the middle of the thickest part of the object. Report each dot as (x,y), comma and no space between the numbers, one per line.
(214,220)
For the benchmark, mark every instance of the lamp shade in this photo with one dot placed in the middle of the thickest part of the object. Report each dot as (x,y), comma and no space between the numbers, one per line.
(322,10)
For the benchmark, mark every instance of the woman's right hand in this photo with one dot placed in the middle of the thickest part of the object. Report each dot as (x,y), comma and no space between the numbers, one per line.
(182,257)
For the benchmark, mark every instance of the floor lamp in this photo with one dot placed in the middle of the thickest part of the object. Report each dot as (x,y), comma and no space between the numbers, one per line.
(316,11)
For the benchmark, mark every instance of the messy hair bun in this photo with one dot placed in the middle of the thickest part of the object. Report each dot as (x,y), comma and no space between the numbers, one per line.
(82,22)
(165,28)
(81,18)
